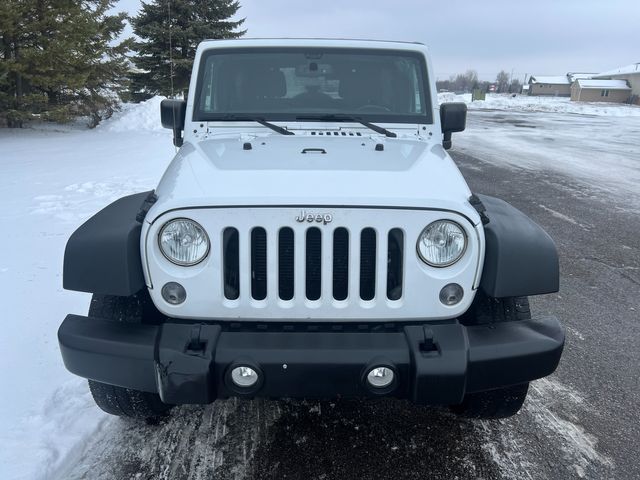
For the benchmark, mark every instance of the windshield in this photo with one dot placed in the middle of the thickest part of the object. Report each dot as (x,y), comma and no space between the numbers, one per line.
(294,83)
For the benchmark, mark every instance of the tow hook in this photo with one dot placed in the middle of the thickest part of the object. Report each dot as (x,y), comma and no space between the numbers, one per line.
(195,345)
(428,346)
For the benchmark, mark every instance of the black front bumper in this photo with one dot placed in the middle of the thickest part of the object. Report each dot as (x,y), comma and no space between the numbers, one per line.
(190,363)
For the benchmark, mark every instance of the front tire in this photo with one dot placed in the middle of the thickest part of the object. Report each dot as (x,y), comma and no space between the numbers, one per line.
(486,310)
(503,402)
(124,402)
(494,404)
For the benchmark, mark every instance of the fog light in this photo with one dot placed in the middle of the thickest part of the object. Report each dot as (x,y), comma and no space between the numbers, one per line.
(451,294)
(174,293)
(244,377)
(380,377)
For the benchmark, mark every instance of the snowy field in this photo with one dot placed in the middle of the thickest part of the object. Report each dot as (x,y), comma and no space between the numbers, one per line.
(52,180)
(525,103)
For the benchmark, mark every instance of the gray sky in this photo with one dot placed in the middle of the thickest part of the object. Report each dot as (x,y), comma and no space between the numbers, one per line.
(542,37)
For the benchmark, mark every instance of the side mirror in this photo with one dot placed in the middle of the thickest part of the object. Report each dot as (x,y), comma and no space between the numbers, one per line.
(172,115)
(453,118)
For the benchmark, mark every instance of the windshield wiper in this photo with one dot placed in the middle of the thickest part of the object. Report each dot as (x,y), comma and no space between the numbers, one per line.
(333,117)
(261,121)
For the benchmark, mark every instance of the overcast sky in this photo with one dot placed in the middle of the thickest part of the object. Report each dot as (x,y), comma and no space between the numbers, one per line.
(543,37)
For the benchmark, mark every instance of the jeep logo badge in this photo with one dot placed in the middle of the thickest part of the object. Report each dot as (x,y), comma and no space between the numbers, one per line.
(322,218)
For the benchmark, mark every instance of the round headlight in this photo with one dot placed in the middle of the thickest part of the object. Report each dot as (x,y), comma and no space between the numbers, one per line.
(442,243)
(183,242)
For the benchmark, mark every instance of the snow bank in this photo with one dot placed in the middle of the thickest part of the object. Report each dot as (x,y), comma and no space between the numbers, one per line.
(143,116)
(524,103)
(51,182)
(449,97)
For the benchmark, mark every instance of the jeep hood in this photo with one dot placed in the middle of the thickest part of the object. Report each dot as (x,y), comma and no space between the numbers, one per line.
(307,170)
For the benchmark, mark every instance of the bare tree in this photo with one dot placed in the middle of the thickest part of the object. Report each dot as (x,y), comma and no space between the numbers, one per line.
(502,82)
(462,83)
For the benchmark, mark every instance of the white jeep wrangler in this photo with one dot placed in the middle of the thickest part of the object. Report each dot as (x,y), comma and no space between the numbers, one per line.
(311,238)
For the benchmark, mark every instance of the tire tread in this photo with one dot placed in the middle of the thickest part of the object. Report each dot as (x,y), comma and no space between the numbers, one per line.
(486,310)
(502,402)
(120,401)
(494,404)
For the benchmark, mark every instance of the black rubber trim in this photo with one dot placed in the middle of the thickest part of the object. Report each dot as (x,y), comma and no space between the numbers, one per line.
(520,257)
(103,254)
(435,364)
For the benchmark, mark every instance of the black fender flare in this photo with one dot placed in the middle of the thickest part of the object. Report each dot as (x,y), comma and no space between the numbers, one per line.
(103,255)
(520,258)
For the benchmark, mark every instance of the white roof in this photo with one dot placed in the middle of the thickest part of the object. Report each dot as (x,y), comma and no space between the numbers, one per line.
(608,84)
(555,80)
(311,43)
(578,76)
(634,68)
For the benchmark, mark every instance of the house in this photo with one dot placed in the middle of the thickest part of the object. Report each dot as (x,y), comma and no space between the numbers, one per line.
(591,90)
(630,73)
(555,86)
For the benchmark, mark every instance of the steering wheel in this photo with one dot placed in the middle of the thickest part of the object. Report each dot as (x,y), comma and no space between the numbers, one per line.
(373,108)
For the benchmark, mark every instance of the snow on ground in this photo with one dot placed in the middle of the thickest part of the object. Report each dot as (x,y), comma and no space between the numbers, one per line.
(524,103)
(552,406)
(50,182)
(602,152)
(596,143)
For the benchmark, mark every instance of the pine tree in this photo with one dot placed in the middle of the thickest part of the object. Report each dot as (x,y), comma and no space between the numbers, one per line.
(184,24)
(60,59)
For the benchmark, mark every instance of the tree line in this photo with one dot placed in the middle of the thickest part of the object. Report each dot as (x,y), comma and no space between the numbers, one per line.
(468,81)
(63,59)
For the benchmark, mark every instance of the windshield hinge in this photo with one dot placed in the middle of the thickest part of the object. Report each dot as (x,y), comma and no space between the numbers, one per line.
(477,204)
(146,206)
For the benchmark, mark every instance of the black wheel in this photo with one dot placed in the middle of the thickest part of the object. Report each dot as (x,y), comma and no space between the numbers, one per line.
(500,403)
(120,401)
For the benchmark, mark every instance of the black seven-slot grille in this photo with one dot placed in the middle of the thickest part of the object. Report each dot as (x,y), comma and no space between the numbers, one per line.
(339,264)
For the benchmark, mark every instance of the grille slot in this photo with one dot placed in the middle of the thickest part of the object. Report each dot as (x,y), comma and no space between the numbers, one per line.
(286,263)
(231,263)
(259,263)
(340,263)
(314,263)
(368,264)
(395,263)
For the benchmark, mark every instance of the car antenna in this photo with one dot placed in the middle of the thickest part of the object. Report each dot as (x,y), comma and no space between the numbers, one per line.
(171,70)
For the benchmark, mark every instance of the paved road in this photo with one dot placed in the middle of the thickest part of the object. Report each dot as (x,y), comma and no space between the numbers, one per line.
(580,423)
